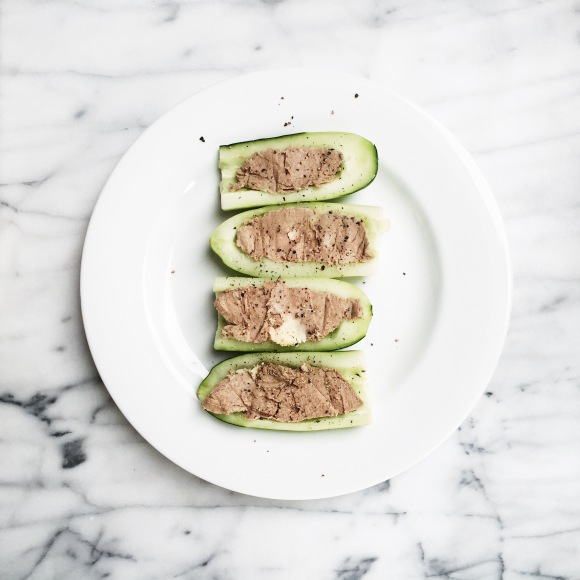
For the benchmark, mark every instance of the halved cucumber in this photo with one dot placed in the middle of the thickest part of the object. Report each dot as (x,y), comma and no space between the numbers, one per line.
(359,168)
(350,364)
(223,243)
(347,333)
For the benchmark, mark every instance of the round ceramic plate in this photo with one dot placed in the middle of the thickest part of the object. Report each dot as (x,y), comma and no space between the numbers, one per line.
(441,299)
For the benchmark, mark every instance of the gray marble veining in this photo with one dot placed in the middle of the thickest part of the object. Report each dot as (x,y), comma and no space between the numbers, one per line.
(83,496)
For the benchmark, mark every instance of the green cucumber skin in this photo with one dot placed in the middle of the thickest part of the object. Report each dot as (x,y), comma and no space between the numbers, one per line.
(349,332)
(223,243)
(360,168)
(349,363)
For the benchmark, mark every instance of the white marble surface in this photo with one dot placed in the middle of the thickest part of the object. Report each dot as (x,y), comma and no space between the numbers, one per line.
(83,496)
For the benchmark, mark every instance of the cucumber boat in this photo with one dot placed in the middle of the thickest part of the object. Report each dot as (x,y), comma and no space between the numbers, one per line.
(346,334)
(350,365)
(359,168)
(223,243)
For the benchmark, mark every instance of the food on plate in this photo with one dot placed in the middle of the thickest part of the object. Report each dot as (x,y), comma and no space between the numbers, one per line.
(301,391)
(292,168)
(288,170)
(256,314)
(308,239)
(303,235)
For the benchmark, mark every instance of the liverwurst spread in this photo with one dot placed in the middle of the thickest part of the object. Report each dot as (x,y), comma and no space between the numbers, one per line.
(287,170)
(299,234)
(283,394)
(287,316)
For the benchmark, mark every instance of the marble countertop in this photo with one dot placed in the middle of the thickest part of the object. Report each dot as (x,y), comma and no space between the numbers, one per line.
(82,495)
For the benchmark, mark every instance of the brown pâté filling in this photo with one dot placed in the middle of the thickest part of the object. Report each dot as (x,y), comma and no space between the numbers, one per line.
(282,393)
(298,234)
(282,314)
(288,170)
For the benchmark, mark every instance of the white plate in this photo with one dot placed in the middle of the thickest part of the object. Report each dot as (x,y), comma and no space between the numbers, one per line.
(441,300)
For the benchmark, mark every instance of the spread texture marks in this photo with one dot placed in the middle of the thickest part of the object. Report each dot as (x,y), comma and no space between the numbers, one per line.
(281,393)
(284,315)
(302,235)
(288,170)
